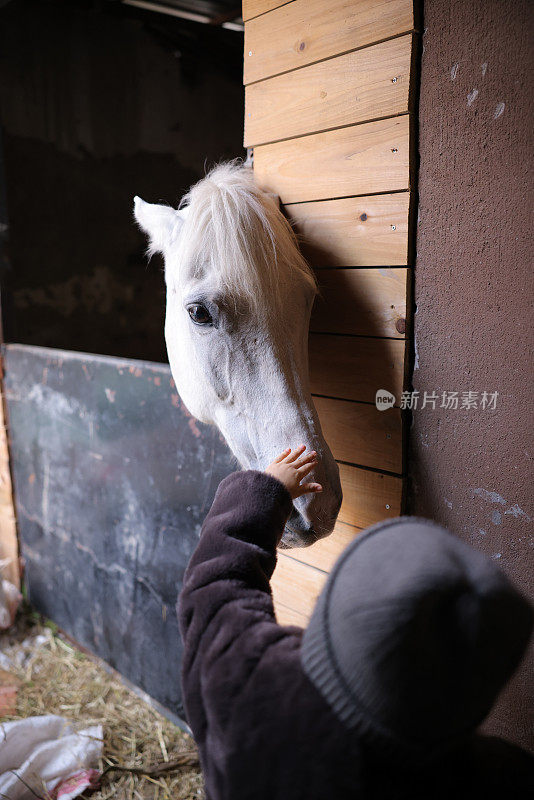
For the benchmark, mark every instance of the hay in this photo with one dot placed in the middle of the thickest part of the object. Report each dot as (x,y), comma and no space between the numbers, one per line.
(143,751)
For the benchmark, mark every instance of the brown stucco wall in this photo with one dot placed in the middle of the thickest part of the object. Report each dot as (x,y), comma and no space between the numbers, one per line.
(472,469)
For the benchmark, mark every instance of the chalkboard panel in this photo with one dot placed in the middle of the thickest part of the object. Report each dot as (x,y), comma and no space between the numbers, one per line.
(113,479)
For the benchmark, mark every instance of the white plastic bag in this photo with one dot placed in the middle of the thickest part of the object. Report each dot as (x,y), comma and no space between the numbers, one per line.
(42,753)
(10,598)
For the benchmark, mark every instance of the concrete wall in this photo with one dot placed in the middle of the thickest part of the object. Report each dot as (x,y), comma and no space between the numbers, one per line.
(472,469)
(100,103)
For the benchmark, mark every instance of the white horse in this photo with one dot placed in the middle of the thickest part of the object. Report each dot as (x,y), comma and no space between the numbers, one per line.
(239,297)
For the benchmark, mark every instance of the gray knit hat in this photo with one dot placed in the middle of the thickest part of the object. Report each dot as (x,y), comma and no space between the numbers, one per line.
(414,635)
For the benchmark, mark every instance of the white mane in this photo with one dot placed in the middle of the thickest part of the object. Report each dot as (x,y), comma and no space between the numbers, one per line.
(237,231)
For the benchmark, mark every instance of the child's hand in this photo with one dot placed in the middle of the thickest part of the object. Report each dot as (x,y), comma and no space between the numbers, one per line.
(291,467)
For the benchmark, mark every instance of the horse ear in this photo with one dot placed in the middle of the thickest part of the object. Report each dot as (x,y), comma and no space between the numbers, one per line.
(160,223)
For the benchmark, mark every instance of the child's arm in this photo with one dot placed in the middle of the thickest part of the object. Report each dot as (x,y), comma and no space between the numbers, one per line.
(225,608)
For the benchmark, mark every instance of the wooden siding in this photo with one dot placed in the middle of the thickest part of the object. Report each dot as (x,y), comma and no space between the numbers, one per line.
(354,367)
(253,8)
(354,231)
(324,553)
(368,496)
(306,31)
(355,87)
(359,159)
(9,549)
(360,431)
(288,616)
(297,584)
(328,115)
(366,302)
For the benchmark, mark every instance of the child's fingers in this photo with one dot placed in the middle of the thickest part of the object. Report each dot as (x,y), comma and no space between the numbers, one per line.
(305,459)
(295,454)
(309,488)
(282,455)
(306,469)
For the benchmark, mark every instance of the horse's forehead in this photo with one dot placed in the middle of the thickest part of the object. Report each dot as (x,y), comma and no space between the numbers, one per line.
(199,280)
(182,266)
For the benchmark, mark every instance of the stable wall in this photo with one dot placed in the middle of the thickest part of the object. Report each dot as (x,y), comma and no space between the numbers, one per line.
(113,479)
(472,470)
(329,97)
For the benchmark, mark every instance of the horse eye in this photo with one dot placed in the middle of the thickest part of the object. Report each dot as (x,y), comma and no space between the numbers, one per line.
(199,314)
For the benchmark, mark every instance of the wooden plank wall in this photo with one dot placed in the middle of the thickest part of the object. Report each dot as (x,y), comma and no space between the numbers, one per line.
(328,91)
(9,551)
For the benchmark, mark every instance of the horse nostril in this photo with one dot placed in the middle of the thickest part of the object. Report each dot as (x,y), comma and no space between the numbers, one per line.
(292,538)
(296,523)
(297,532)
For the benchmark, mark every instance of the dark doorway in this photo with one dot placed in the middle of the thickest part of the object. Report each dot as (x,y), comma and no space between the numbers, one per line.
(99,102)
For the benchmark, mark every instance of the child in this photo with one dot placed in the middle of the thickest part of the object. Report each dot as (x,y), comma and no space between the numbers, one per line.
(411,640)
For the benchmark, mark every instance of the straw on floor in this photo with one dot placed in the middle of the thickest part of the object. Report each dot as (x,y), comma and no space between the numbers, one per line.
(146,757)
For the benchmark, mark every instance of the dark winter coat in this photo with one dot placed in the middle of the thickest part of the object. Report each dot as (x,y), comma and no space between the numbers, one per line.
(263,730)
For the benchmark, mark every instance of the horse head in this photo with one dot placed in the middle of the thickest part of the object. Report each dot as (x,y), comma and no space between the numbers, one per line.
(239,298)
